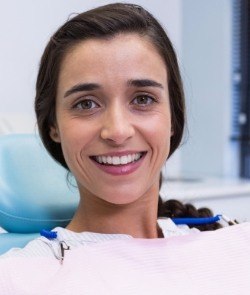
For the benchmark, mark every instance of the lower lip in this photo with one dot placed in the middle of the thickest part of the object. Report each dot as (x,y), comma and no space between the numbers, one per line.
(121,169)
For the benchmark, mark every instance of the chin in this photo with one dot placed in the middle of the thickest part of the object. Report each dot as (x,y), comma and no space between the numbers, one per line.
(121,201)
(121,197)
(118,193)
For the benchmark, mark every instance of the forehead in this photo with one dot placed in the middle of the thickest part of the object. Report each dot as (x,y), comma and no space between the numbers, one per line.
(125,56)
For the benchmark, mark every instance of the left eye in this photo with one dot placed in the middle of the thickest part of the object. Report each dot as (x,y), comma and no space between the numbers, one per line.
(144,100)
(86,104)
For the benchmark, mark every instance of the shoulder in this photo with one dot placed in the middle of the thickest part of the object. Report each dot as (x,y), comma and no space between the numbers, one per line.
(38,247)
(43,247)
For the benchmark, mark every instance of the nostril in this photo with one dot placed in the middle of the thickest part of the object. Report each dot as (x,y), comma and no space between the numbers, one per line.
(117,135)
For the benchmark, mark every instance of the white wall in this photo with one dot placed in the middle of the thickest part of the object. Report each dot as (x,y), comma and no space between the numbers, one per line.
(206,54)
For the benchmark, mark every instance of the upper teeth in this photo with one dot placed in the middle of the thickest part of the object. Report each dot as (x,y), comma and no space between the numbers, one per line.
(118,160)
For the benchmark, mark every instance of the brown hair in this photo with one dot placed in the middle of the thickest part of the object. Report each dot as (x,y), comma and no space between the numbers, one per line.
(105,22)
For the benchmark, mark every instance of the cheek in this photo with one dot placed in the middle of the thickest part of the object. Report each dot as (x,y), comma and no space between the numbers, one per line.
(158,128)
(75,135)
(75,130)
(159,137)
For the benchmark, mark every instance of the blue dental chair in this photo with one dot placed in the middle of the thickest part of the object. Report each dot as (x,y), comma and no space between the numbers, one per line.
(34,193)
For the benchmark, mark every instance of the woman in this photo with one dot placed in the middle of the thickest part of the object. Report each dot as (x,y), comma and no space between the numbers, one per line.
(108,80)
(110,109)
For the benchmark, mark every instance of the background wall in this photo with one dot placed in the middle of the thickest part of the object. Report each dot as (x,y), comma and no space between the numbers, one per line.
(206,59)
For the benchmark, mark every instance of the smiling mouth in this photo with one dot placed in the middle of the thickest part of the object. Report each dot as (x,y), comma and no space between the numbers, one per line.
(118,161)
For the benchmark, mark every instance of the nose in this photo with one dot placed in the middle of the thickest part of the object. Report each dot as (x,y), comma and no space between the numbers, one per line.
(117,127)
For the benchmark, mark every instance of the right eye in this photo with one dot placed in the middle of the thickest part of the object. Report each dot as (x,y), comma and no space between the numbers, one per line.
(86,104)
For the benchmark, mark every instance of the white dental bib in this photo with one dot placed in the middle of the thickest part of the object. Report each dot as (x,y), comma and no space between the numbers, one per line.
(216,262)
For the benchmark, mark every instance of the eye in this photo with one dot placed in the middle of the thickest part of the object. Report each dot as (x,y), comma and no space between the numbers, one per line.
(144,100)
(86,104)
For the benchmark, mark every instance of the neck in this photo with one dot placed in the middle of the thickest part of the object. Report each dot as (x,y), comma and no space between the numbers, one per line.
(138,219)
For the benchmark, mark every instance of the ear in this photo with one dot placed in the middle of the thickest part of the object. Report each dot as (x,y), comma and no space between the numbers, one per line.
(54,134)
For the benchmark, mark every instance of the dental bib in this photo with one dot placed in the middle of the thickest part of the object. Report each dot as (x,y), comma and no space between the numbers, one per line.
(216,262)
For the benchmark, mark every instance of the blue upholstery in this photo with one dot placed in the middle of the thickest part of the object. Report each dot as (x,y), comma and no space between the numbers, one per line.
(10,240)
(34,193)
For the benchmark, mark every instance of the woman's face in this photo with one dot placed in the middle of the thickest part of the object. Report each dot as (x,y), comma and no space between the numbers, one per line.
(113,117)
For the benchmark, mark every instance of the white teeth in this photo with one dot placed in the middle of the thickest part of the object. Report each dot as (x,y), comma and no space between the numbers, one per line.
(137,156)
(124,160)
(118,160)
(109,160)
(104,159)
(115,161)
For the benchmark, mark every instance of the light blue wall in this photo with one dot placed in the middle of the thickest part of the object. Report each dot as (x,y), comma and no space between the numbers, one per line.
(206,67)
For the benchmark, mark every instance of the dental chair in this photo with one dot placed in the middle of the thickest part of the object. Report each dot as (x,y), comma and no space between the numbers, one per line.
(34,192)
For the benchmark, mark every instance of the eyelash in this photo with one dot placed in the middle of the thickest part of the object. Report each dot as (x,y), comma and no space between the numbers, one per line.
(153,100)
(76,106)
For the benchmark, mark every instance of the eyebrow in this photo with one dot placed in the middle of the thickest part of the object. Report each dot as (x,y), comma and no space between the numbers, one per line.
(82,87)
(93,86)
(144,83)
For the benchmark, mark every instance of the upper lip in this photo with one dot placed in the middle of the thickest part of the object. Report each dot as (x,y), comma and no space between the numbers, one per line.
(119,154)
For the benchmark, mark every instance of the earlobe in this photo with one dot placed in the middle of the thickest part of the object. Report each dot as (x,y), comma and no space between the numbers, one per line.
(54,134)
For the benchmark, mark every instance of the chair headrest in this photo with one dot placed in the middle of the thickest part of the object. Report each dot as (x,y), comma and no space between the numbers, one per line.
(34,193)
